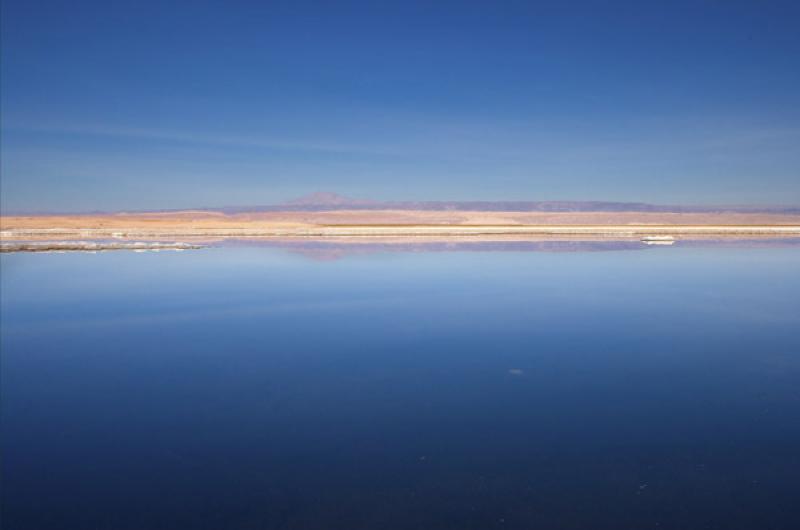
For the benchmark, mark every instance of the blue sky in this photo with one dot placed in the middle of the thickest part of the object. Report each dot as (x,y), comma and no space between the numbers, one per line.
(125,105)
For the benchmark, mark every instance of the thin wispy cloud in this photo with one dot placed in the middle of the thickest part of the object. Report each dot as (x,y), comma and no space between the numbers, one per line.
(199,138)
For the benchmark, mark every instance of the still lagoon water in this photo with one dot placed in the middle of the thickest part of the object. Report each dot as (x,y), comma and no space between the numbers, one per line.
(305,388)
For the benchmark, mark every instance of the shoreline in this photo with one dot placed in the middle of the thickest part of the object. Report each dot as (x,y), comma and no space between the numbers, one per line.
(334,247)
(94,246)
(323,231)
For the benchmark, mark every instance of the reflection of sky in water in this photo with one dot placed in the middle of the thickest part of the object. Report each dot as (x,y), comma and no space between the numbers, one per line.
(252,387)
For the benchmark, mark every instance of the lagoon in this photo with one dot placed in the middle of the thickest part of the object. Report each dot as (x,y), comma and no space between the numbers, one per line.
(313,386)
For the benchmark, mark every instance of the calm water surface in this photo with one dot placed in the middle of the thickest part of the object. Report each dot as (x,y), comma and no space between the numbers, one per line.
(279,388)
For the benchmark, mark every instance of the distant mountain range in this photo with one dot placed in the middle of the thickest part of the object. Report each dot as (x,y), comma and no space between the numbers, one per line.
(327,201)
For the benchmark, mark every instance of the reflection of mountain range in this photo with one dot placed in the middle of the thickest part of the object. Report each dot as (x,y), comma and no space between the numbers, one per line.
(332,250)
(326,201)
(327,250)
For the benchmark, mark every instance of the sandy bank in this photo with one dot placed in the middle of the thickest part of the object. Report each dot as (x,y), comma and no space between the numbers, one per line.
(405,230)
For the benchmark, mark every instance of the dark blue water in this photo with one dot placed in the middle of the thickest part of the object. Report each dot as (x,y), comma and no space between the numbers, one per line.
(257,388)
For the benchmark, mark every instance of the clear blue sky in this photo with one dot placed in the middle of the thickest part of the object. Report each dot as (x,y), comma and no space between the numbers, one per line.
(122,105)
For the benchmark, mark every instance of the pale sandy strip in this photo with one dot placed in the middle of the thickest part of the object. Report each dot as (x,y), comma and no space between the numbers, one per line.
(413,230)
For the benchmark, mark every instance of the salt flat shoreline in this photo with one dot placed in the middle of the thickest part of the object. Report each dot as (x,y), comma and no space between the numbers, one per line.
(93,246)
(407,230)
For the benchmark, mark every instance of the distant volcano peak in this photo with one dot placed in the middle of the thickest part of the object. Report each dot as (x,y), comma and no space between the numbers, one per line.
(326,198)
